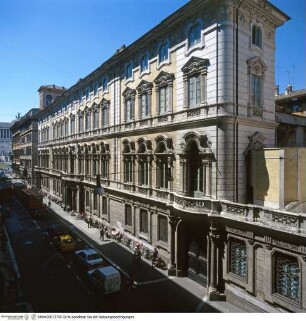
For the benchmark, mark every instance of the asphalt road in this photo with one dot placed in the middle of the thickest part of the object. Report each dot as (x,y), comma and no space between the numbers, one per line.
(54,282)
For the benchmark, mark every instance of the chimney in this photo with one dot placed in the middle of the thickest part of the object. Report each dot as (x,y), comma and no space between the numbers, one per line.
(276,90)
(288,90)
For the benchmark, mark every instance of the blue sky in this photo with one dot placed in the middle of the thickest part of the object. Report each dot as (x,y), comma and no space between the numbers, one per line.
(45,42)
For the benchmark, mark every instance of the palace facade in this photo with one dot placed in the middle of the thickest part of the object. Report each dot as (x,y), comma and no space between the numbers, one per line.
(166,125)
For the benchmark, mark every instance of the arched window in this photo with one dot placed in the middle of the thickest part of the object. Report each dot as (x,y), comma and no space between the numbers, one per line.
(128,161)
(163,158)
(105,112)
(48,100)
(196,165)
(144,154)
(81,123)
(104,156)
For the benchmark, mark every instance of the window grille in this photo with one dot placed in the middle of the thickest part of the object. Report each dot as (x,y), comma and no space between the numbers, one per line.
(128,215)
(104,205)
(144,222)
(287,277)
(239,258)
(163,229)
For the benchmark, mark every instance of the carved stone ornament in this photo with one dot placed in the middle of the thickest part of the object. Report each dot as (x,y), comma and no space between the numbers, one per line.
(256,142)
(144,87)
(129,93)
(164,79)
(203,144)
(257,66)
(195,65)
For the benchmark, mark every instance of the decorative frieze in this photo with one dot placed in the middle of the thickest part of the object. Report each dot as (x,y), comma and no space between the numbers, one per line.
(285,219)
(236,231)
(286,245)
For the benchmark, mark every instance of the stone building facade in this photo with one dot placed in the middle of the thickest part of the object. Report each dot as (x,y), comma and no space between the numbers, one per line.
(5,142)
(166,124)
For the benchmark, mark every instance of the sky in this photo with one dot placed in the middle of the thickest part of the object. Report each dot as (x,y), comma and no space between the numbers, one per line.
(45,42)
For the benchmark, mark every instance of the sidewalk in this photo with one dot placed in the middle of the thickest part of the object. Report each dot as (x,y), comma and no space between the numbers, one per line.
(121,258)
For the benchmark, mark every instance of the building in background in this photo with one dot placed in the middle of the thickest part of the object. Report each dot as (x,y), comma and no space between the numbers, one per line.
(168,125)
(5,142)
(291,116)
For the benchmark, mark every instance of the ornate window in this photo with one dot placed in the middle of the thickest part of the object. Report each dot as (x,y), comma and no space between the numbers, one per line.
(238,258)
(144,154)
(129,102)
(128,161)
(195,71)
(144,97)
(144,221)
(256,68)
(163,87)
(105,156)
(257,36)
(87,120)
(163,229)
(287,276)
(163,53)
(194,34)
(163,158)
(144,63)
(66,125)
(81,123)
(72,125)
(104,112)
(95,118)
(128,215)
(196,165)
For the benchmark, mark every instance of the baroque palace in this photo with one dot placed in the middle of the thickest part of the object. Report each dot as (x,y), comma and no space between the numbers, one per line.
(167,125)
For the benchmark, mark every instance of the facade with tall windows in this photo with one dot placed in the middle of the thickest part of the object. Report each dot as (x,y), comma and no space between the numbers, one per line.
(166,126)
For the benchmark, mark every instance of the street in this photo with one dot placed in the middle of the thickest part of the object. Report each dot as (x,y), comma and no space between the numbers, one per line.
(52,281)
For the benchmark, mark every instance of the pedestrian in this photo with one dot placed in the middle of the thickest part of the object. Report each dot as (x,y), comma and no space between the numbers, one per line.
(89,222)
(102,232)
(49,203)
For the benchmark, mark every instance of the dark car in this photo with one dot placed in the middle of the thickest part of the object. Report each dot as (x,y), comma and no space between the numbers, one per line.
(54,230)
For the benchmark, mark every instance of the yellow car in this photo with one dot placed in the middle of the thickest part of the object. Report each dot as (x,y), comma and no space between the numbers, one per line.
(64,242)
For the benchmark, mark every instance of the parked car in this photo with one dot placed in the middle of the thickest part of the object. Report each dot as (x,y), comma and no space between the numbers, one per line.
(64,243)
(89,259)
(106,279)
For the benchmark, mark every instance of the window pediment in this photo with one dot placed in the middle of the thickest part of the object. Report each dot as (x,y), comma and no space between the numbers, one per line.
(129,93)
(164,79)
(105,103)
(202,142)
(195,65)
(257,66)
(164,144)
(144,87)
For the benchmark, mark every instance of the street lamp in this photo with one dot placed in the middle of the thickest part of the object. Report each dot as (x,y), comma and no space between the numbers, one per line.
(99,190)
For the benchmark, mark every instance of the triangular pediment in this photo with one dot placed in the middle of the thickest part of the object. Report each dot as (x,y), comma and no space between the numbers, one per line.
(163,78)
(129,92)
(195,64)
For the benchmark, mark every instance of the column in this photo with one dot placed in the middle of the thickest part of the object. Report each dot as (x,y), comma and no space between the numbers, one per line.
(214,265)
(183,175)
(172,224)
(77,199)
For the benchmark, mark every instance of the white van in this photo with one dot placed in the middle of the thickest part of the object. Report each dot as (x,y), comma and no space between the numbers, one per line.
(107,279)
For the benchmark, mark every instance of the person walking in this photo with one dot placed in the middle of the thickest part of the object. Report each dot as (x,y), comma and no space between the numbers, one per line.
(131,282)
(102,232)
